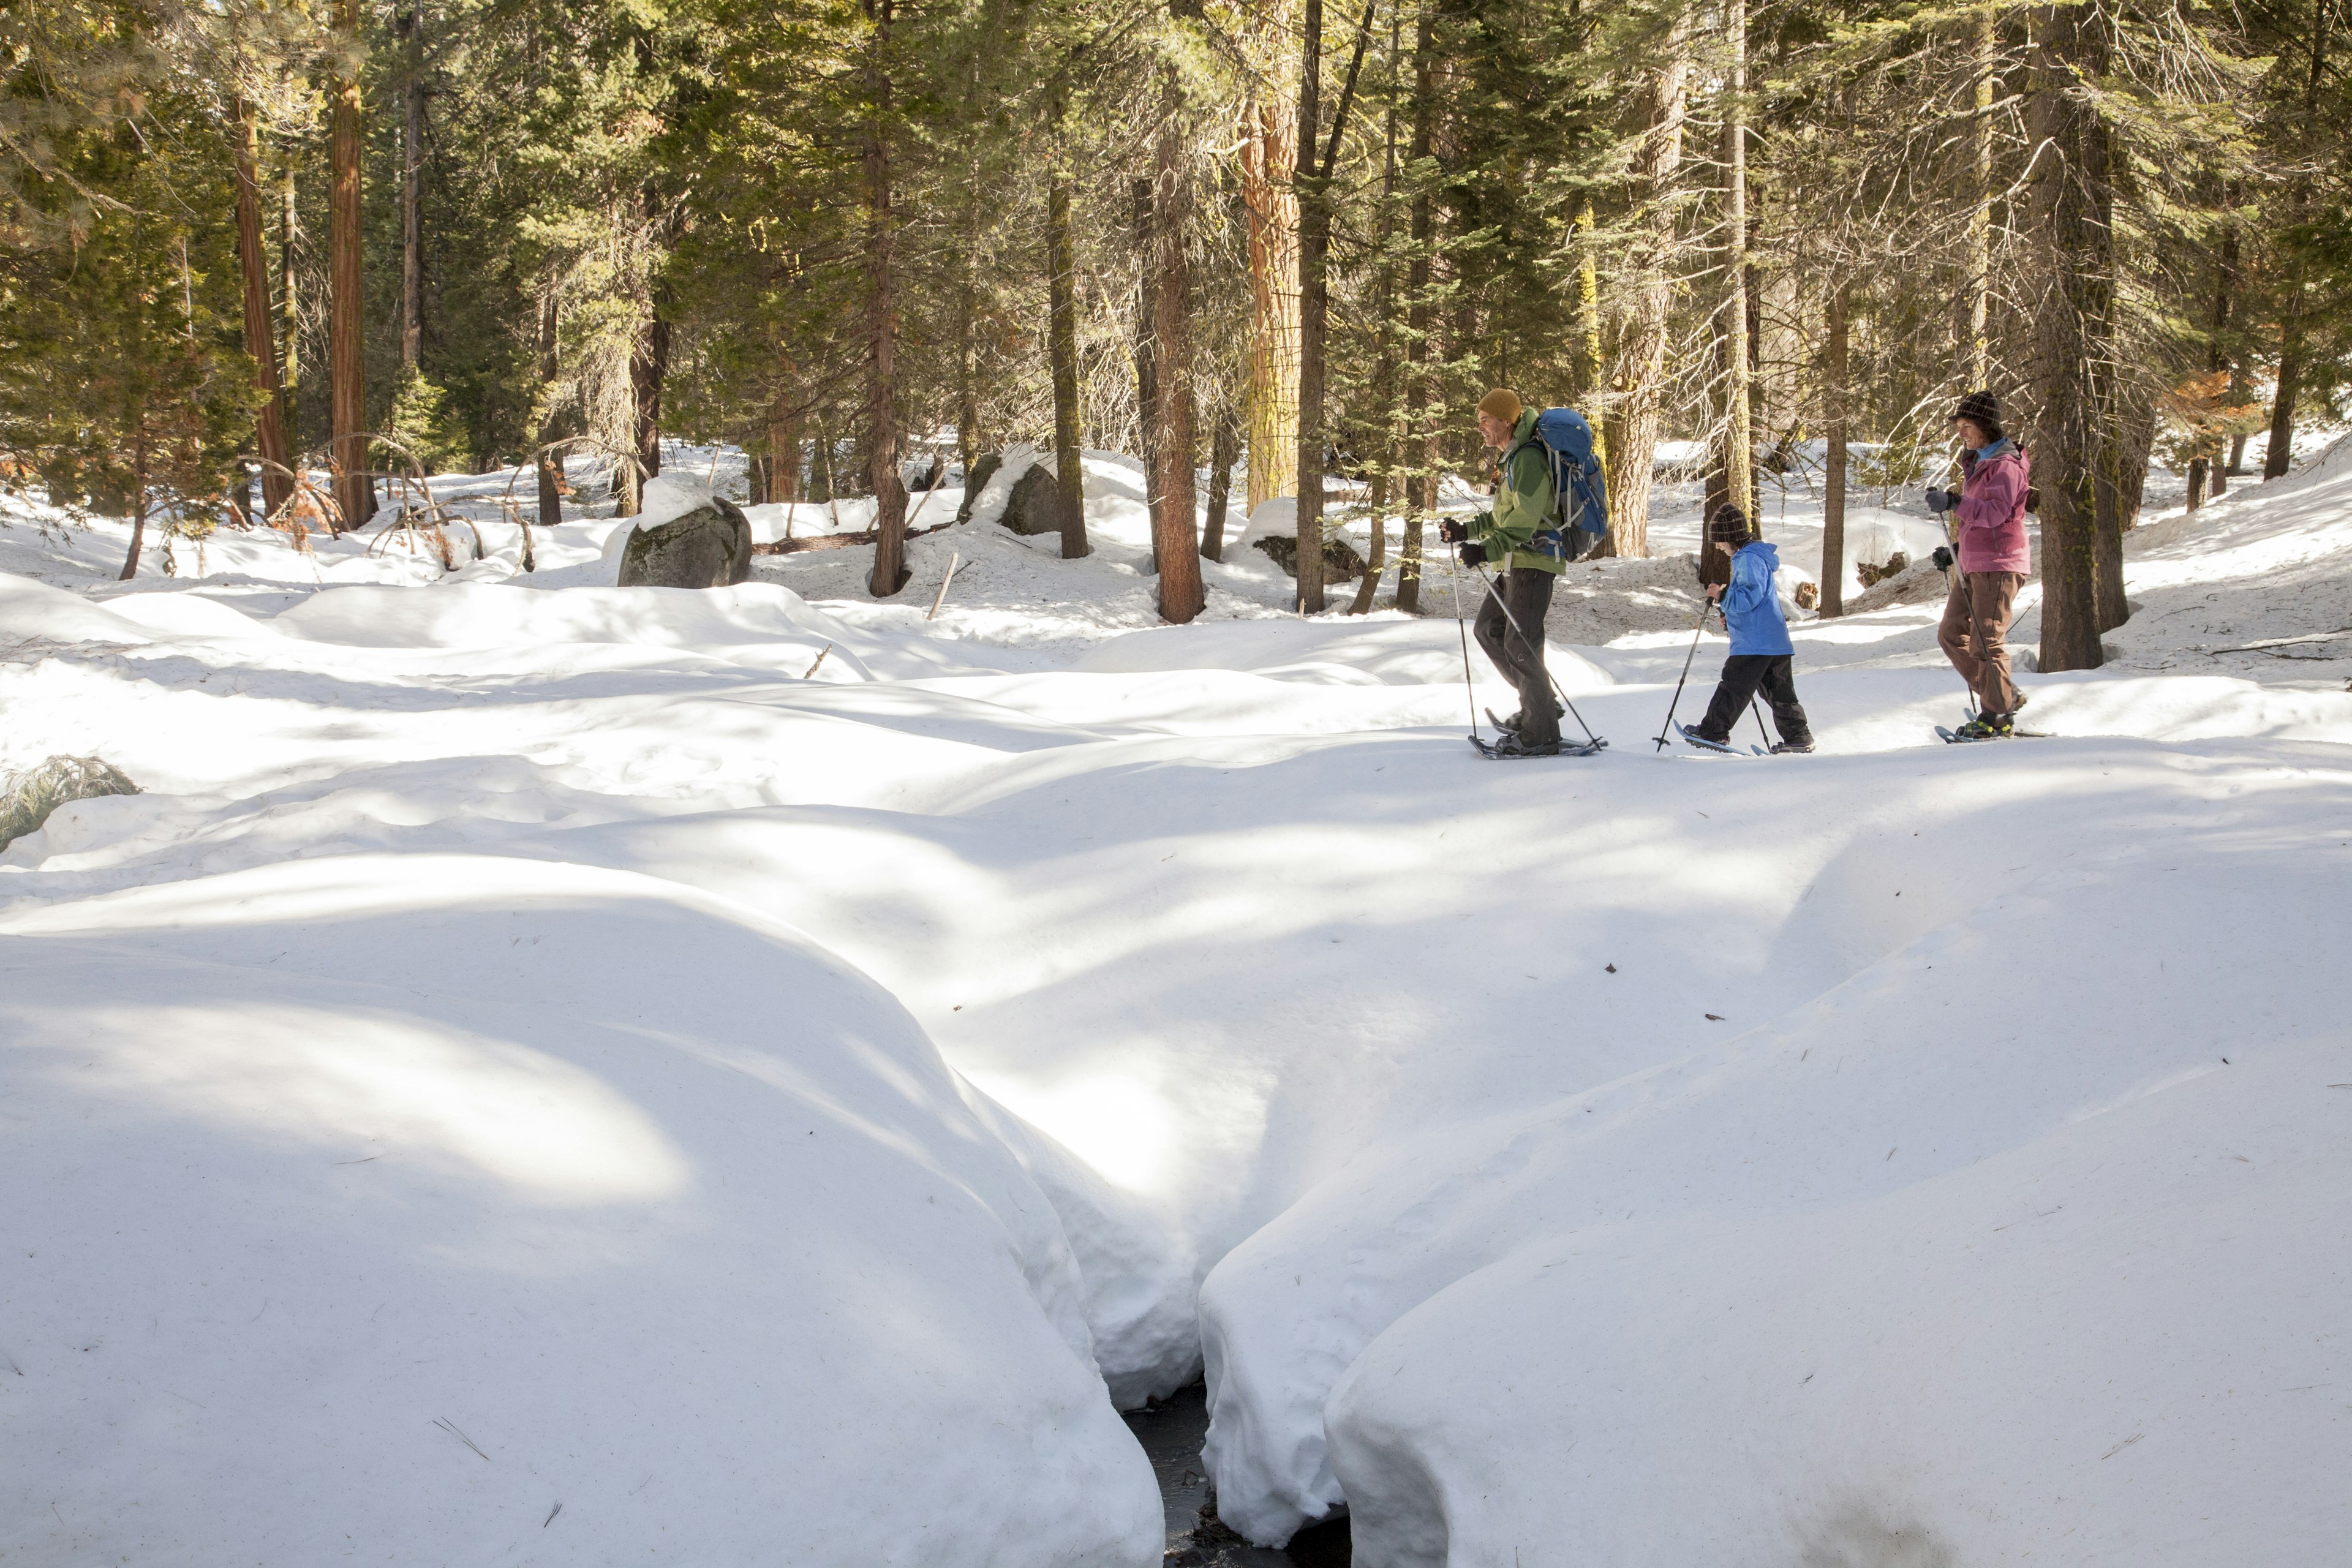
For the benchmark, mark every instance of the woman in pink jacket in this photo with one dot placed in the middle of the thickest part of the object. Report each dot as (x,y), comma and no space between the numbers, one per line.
(1994,558)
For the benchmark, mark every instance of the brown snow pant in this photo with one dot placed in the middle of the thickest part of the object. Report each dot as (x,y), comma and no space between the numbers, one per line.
(1981,652)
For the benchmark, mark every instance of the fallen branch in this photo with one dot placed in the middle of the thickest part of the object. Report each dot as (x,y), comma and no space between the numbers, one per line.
(953,561)
(839,541)
(2264,643)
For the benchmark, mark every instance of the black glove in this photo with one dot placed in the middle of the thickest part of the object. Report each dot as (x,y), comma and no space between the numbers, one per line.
(1474,555)
(1942,558)
(1942,499)
(1452,530)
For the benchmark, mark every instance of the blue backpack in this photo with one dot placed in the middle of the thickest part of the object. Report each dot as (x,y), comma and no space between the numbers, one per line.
(1579,490)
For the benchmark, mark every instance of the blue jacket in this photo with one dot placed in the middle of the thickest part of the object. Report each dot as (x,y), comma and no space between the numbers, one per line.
(1751,606)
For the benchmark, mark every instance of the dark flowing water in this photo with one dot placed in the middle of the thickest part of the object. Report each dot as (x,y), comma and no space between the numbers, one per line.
(1172,1433)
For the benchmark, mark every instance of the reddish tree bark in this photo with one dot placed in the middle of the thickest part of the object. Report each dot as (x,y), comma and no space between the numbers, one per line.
(1175,542)
(354,490)
(891,571)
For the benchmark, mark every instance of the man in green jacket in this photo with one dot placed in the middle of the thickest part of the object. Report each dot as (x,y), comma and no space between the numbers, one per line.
(1521,537)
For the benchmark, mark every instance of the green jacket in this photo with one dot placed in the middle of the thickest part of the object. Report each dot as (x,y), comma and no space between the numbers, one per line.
(1522,505)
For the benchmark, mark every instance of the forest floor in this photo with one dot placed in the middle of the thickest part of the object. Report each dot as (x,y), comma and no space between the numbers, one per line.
(539,1076)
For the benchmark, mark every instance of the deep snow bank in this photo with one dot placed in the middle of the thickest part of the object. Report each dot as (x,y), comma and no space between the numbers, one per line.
(2118,1341)
(397,1201)
(1905,1260)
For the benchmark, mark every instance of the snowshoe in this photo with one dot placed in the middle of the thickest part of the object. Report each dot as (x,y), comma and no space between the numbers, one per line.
(1510,745)
(1983,727)
(1510,748)
(1791,747)
(1721,748)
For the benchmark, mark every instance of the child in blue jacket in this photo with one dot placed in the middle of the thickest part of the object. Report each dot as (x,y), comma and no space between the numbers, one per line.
(1761,654)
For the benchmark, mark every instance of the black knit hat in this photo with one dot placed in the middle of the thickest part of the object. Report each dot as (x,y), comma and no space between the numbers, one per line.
(1728,526)
(1982,407)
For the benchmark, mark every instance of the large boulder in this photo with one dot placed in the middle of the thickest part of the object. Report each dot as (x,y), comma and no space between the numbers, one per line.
(1035,504)
(1340,562)
(708,546)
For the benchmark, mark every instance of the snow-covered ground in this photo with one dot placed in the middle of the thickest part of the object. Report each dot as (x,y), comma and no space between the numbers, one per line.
(533,1043)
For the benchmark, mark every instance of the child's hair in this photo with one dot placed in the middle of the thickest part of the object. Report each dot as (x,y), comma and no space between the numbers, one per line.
(1728,526)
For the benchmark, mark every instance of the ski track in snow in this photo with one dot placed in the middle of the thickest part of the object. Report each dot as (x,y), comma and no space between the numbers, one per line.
(529,1046)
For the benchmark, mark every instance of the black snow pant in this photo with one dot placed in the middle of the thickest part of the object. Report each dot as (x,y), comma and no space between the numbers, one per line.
(1527,591)
(1743,673)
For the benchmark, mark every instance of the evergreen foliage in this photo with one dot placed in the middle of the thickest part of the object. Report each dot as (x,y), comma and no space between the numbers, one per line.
(702,217)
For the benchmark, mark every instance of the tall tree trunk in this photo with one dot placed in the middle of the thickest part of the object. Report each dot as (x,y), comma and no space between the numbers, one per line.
(354,490)
(1421,451)
(1589,358)
(1752,288)
(548,464)
(967,374)
(1314,302)
(784,438)
(1269,152)
(138,503)
(289,302)
(253,259)
(1173,540)
(1975,290)
(648,369)
(968,438)
(2280,455)
(2065,212)
(1062,341)
(1390,440)
(2107,541)
(1736,451)
(411,192)
(1835,395)
(1147,356)
(1657,174)
(1313,180)
(890,572)
(820,490)
(2217,357)
(1223,447)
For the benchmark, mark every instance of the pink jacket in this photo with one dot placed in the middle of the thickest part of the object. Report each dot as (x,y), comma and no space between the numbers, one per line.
(1992,512)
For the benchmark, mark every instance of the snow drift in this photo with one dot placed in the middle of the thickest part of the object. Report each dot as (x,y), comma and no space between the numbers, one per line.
(482,1209)
(1910,1260)
(1823,1160)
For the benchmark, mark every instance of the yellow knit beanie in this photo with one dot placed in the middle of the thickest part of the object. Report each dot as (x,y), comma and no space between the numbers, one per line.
(1503,404)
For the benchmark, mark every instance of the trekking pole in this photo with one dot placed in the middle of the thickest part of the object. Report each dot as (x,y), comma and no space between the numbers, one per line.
(1966,685)
(1536,649)
(1973,628)
(1982,649)
(1468,691)
(1698,628)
